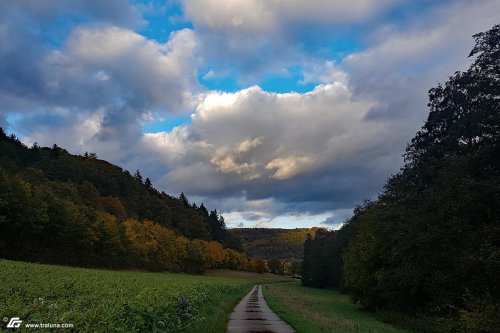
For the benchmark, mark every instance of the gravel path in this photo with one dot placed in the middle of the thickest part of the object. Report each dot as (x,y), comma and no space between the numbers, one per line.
(253,315)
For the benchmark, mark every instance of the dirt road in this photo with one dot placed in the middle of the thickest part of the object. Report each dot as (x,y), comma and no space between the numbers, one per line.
(253,315)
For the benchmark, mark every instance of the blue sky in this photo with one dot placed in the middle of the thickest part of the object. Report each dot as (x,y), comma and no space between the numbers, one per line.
(277,113)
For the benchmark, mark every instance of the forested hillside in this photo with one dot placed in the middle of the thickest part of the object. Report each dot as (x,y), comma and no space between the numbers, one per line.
(430,244)
(269,243)
(60,208)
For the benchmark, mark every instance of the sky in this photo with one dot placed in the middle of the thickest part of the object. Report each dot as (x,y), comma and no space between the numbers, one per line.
(278,113)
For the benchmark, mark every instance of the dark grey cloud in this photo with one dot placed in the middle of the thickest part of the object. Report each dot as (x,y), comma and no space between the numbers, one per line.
(20,70)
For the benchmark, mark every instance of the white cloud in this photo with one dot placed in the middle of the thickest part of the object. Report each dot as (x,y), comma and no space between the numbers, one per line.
(258,38)
(402,62)
(264,16)
(104,46)
(442,38)
(80,127)
(209,75)
(324,72)
(230,160)
(249,15)
(108,80)
(247,145)
(288,167)
(150,73)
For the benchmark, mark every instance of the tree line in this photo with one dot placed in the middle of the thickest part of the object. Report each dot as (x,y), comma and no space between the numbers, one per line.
(429,246)
(78,210)
(269,243)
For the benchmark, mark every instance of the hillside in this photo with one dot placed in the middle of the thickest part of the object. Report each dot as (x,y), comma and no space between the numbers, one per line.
(61,208)
(267,243)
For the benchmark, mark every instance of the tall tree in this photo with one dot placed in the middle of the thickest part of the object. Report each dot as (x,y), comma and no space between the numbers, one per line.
(184,200)
(431,243)
(148,184)
(138,175)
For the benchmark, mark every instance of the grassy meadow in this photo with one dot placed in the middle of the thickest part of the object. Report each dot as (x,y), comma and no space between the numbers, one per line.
(95,300)
(120,301)
(310,310)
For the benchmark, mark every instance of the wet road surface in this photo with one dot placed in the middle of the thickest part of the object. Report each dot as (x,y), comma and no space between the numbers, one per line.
(253,315)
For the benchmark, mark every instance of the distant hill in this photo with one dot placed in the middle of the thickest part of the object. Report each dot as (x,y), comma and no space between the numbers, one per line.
(60,208)
(269,243)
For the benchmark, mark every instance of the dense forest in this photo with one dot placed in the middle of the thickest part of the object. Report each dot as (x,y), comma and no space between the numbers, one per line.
(269,243)
(430,244)
(79,210)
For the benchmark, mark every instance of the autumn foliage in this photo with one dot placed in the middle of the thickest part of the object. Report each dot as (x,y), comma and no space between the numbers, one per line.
(77,210)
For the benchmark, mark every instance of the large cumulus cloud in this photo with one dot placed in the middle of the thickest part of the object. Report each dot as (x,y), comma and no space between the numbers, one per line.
(327,150)
(317,147)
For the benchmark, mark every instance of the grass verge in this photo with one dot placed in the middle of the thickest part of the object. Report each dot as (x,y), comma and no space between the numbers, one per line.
(310,310)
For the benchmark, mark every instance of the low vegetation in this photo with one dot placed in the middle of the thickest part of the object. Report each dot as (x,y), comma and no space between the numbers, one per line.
(310,310)
(110,301)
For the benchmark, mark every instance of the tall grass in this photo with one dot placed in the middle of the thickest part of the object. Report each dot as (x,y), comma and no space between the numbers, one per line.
(110,301)
(310,310)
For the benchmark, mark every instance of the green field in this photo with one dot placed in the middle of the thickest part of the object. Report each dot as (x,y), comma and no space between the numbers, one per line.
(122,301)
(105,301)
(310,310)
